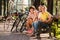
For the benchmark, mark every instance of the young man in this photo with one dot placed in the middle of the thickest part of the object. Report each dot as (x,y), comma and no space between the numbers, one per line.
(44,18)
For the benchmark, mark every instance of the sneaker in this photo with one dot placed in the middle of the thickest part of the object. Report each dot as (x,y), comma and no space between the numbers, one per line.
(29,31)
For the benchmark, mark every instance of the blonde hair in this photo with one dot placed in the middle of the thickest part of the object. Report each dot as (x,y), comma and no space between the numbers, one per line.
(45,8)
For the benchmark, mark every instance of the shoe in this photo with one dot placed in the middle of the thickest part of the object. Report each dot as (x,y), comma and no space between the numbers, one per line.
(29,31)
(37,38)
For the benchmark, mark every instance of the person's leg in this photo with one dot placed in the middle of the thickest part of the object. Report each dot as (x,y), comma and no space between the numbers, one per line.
(48,27)
(28,23)
(35,25)
(37,29)
(43,25)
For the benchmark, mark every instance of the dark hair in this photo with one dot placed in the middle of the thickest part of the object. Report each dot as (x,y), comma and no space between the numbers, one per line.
(41,3)
(31,8)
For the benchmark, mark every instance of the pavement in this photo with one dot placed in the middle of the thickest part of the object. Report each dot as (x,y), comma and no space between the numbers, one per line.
(19,36)
(5,33)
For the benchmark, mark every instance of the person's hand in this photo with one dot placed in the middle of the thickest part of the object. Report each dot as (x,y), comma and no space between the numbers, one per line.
(46,21)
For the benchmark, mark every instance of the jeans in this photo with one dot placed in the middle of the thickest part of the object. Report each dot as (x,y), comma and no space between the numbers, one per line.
(35,25)
(39,24)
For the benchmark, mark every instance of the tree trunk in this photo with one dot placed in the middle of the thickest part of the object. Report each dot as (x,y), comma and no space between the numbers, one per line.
(4,7)
(36,3)
(0,7)
(50,6)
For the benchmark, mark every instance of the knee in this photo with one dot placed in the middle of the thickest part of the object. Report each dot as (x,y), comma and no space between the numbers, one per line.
(35,24)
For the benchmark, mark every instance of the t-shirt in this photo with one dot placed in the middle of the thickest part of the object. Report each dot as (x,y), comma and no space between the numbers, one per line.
(32,16)
(43,16)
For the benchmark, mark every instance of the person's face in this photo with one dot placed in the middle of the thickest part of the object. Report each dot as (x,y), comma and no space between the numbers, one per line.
(40,8)
(43,8)
(31,10)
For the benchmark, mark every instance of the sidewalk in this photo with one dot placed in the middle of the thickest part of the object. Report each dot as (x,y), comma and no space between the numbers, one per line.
(5,26)
(5,33)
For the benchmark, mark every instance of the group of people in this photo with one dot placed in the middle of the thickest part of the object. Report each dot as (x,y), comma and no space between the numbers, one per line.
(37,17)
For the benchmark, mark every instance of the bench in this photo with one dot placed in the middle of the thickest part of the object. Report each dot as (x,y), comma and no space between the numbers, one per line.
(55,19)
(44,30)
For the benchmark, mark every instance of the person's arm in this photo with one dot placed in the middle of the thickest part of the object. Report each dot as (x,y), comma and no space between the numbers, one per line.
(49,18)
(39,17)
(35,16)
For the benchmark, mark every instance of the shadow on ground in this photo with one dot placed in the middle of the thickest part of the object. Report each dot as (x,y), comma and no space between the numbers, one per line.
(13,36)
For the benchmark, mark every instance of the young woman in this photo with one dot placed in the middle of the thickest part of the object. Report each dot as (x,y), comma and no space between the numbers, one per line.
(31,18)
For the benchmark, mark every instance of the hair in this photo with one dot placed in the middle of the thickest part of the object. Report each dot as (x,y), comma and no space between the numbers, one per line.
(31,8)
(41,3)
(45,8)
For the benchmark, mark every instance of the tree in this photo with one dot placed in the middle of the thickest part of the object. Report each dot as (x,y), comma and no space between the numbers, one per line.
(36,3)
(50,6)
(0,7)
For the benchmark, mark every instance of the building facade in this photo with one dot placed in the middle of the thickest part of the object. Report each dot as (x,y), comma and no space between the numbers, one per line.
(19,4)
(8,6)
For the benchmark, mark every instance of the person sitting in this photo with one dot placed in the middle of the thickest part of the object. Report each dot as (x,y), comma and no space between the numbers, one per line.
(44,18)
(31,18)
